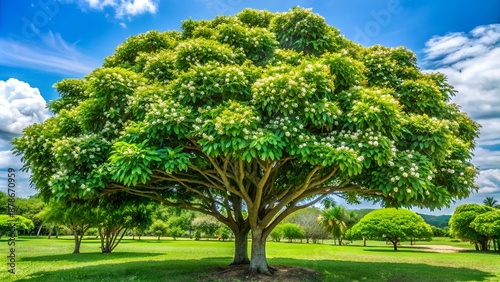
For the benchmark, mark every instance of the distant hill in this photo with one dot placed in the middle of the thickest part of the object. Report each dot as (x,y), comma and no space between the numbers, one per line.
(438,221)
(434,220)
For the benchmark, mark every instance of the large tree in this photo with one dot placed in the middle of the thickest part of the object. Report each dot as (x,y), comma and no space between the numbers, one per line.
(461,224)
(394,225)
(252,117)
(488,224)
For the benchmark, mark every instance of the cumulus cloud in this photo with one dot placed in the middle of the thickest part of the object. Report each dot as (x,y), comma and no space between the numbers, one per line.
(489,181)
(20,106)
(123,8)
(471,63)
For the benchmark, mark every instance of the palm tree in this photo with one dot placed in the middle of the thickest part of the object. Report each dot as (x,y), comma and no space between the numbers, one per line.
(491,202)
(336,221)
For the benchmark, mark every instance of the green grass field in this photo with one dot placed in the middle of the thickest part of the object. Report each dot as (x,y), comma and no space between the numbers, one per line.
(186,260)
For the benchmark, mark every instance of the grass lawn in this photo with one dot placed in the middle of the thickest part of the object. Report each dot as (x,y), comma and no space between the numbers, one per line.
(187,260)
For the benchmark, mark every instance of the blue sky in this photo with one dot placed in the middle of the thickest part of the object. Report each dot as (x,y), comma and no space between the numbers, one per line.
(44,41)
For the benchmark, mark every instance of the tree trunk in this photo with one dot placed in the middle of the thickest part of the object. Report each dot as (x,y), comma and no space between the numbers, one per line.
(57,231)
(395,243)
(77,243)
(240,248)
(50,232)
(364,242)
(39,230)
(484,245)
(258,263)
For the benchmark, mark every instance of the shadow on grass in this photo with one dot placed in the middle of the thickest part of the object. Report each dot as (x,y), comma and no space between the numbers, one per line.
(334,270)
(391,250)
(196,270)
(87,257)
(144,270)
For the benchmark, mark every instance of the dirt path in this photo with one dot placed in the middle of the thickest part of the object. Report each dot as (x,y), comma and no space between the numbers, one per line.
(440,248)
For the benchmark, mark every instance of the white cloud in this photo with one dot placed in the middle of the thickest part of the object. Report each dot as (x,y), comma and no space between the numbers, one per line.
(54,55)
(123,8)
(489,182)
(20,106)
(471,63)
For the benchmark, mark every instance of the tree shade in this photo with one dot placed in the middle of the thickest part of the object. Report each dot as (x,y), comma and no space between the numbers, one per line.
(251,117)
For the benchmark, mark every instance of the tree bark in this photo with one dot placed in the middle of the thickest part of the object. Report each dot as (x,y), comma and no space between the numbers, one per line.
(39,230)
(240,247)
(77,242)
(395,243)
(484,244)
(364,242)
(258,263)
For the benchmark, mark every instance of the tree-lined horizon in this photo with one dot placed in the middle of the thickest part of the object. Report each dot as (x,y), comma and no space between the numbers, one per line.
(251,117)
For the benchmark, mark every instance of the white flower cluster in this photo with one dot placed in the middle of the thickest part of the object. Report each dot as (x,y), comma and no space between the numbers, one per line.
(166,111)
(285,125)
(104,79)
(196,48)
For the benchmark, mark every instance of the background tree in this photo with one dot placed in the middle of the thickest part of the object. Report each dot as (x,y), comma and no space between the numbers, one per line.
(78,215)
(440,232)
(491,202)
(119,212)
(394,225)
(460,224)
(158,228)
(277,233)
(229,115)
(178,225)
(223,233)
(21,224)
(488,224)
(292,231)
(307,220)
(26,207)
(206,225)
(336,221)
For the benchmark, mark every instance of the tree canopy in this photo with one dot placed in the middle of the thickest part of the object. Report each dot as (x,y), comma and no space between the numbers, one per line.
(258,112)
(11,225)
(461,224)
(392,224)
